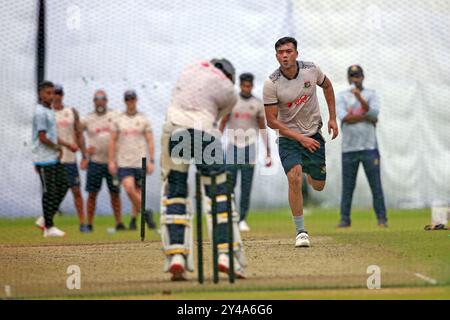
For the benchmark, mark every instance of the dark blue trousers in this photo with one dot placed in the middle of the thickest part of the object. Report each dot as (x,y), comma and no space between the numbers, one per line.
(371,163)
(243,161)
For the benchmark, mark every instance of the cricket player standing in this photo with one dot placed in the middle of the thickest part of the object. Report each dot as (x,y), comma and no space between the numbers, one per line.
(358,109)
(243,126)
(131,140)
(46,157)
(71,137)
(203,94)
(98,125)
(292,108)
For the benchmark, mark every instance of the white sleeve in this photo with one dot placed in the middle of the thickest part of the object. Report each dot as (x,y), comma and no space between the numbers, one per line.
(269,93)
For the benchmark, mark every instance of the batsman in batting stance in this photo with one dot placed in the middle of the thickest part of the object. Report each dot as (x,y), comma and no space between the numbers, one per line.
(203,94)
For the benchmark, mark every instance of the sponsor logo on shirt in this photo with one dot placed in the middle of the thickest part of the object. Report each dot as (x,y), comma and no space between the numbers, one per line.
(102,130)
(131,132)
(302,100)
(242,115)
(64,123)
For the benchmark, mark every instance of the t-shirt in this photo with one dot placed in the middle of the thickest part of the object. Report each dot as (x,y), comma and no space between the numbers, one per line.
(131,143)
(298,106)
(98,127)
(65,122)
(361,135)
(243,125)
(44,120)
(202,95)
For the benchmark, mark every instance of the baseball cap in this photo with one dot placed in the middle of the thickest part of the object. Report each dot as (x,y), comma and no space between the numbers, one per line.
(59,89)
(130,94)
(355,71)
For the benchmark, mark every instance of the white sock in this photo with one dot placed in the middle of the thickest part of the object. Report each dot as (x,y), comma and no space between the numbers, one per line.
(299,223)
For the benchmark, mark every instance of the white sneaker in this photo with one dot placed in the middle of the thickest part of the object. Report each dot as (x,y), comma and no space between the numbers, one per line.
(302,240)
(177,268)
(224,266)
(53,232)
(40,223)
(243,226)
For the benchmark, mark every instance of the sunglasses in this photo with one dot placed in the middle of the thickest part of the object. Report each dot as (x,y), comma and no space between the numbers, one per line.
(103,98)
(130,99)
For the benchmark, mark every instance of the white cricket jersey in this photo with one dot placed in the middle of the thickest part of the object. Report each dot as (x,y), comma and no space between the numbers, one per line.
(243,127)
(65,123)
(98,127)
(298,106)
(202,95)
(131,143)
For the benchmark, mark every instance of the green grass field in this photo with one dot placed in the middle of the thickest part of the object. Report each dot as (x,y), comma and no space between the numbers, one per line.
(414,264)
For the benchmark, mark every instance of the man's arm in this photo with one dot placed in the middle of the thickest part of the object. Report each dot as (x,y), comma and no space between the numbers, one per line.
(79,136)
(364,104)
(151,151)
(112,166)
(263,131)
(223,122)
(272,121)
(44,140)
(328,92)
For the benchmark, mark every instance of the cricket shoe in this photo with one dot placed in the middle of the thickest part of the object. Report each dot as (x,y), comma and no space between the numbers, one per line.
(40,223)
(53,232)
(177,268)
(243,226)
(133,224)
(302,240)
(224,266)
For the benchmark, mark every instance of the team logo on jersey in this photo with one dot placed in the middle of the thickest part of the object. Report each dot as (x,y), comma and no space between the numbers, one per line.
(307,84)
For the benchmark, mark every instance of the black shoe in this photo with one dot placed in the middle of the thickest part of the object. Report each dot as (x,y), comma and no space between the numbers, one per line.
(90,227)
(382,223)
(120,227)
(343,225)
(133,224)
(149,219)
(84,228)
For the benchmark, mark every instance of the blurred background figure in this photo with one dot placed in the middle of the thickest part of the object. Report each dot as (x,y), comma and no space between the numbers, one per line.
(243,125)
(358,110)
(46,157)
(98,126)
(70,135)
(131,140)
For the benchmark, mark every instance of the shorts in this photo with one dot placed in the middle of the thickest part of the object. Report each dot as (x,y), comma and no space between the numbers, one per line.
(293,153)
(136,173)
(95,174)
(73,176)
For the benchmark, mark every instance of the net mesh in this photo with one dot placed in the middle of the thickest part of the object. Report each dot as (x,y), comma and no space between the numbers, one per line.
(144,45)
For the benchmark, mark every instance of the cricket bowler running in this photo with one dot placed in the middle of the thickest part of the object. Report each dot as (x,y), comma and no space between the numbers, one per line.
(292,108)
(203,94)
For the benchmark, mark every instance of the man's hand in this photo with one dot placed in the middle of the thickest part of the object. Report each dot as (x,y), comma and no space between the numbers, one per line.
(60,151)
(90,151)
(356,92)
(150,167)
(332,126)
(84,164)
(112,168)
(73,147)
(268,163)
(309,143)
